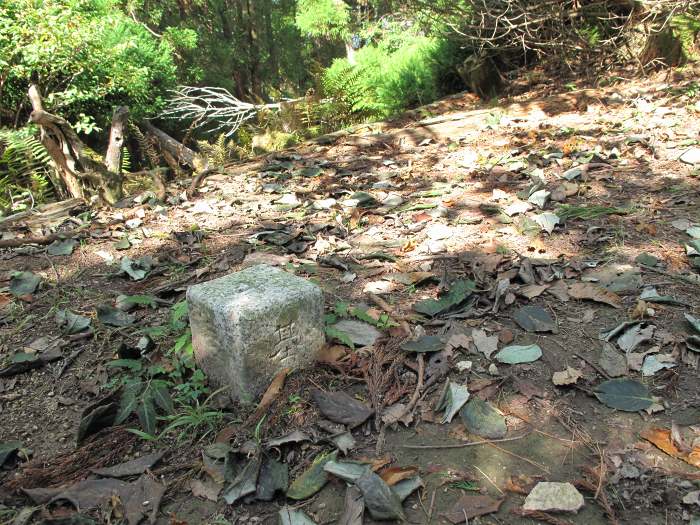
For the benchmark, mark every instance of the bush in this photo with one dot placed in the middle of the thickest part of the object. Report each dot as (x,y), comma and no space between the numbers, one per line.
(388,79)
(86,57)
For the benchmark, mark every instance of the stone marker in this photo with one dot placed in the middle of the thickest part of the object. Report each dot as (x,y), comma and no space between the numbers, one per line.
(249,325)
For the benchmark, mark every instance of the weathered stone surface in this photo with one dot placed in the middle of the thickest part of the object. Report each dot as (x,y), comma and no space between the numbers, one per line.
(249,325)
(552,496)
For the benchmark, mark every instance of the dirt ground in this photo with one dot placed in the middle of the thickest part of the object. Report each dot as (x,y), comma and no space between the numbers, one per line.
(439,196)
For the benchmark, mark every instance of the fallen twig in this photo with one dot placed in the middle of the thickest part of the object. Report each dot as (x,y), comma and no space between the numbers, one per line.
(381,303)
(690,279)
(539,515)
(46,239)
(73,356)
(463,445)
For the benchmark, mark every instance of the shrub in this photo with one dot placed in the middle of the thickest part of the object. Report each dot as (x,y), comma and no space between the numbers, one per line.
(85,55)
(385,80)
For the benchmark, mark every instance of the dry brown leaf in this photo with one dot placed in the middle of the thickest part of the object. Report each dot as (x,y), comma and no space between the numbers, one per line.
(595,293)
(661,438)
(393,475)
(566,377)
(205,489)
(469,507)
(332,354)
(640,310)
(269,396)
(531,291)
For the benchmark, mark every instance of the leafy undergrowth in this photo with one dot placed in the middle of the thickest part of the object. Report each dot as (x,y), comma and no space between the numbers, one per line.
(511,300)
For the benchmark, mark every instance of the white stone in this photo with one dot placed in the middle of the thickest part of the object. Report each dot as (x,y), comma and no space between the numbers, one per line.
(554,496)
(249,325)
(690,156)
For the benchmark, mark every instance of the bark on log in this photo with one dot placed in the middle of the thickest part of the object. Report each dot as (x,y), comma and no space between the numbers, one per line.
(182,153)
(117,136)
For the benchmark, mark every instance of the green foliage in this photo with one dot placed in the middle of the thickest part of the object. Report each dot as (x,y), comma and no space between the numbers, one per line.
(170,390)
(323,18)
(85,55)
(24,168)
(390,78)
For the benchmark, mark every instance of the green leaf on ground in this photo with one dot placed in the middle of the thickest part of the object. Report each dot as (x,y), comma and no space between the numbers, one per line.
(312,479)
(515,354)
(61,247)
(483,419)
(71,323)
(458,293)
(427,343)
(624,394)
(24,283)
(113,317)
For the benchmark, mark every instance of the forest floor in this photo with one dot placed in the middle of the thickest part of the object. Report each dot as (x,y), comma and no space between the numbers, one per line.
(539,223)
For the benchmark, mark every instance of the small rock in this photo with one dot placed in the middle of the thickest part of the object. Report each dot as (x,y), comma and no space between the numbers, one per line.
(690,156)
(554,496)
(464,366)
(324,204)
(133,223)
(506,336)
(436,247)
(493,369)
(437,232)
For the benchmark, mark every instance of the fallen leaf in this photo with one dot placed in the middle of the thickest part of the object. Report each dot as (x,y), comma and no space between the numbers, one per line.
(245,482)
(567,377)
(24,284)
(531,291)
(469,506)
(273,478)
(340,407)
(289,516)
(484,344)
(458,293)
(624,394)
(534,319)
(130,468)
(71,323)
(452,401)
(272,392)
(662,439)
(61,247)
(393,475)
(483,419)
(111,316)
(612,361)
(312,479)
(359,332)
(427,343)
(595,293)
(516,354)
(381,502)
(354,507)
(296,436)
(208,489)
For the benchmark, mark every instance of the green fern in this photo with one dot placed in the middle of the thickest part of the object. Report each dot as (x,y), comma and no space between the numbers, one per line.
(25,168)
(219,152)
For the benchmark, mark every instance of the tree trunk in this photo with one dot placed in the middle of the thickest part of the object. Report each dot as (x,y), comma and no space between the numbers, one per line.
(182,153)
(117,135)
(350,53)
(66,151)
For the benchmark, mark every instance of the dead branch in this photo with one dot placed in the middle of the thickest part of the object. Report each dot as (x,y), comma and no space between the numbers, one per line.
(212,106)
(182,153)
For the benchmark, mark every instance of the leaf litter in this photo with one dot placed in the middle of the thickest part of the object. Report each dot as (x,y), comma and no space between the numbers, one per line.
(485,307)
